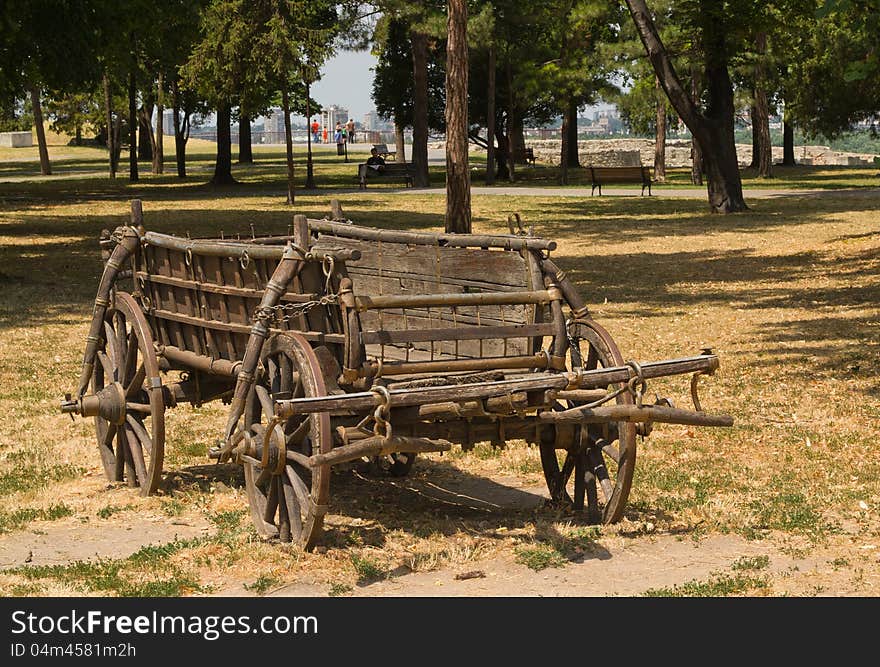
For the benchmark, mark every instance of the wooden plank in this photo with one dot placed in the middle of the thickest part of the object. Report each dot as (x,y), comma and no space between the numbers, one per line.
(389,337)
(242,328)
(494,267)
(364,302)
(367,280)
(207,286)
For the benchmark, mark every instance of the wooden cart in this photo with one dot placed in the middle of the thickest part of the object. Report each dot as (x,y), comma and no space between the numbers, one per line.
(338,342)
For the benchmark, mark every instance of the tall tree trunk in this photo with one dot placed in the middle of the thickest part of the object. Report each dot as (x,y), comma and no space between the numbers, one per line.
(180,136)
(146,135)
(660,135)
(501,154)
(146,139)
(696,151)
(108,113)
(45,167)
(518,135)
(310,174)
(245,148)
(132,127)
(490,120)
(788,145)
(399,142)
(713,129)
(511,123)
(288,140)
(458,178)
(565,138)
(159,151)
(571,128)
(761,119)
(223,165)
(78,135)
(421,178)
(756,138)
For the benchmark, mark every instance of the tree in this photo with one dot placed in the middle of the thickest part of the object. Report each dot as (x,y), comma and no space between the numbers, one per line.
(711,127)
(458,181)
(835,81)
(393,84)
(219,68)
(38,38)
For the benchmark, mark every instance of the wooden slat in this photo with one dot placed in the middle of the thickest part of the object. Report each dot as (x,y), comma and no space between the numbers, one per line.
(222,289)
(485,267)
(459,299)
(236,328)
(387,337)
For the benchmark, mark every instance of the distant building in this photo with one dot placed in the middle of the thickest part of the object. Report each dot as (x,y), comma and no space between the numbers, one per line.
(332,115)
(371,120)
(274,121)
(168,122)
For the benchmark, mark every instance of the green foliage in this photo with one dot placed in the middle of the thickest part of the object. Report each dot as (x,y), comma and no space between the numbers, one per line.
(393,83)
(30,477)
(539,556)
(719,585)
(17,519)
(262,584)
(368,568)
(835,79)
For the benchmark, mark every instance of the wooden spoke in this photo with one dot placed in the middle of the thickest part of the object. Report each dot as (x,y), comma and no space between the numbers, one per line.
(604,457)
(143,437)
(106,365)
(137,453)
(128,357)
(271,500)
(287,505)
(137,382)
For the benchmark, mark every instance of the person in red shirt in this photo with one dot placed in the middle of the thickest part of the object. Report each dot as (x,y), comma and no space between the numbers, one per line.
(315,128)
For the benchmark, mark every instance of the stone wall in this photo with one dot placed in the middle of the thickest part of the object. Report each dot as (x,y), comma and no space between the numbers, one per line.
(16,139)
(631,152)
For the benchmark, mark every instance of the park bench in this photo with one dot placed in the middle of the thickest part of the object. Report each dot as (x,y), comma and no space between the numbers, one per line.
(402,171)
(382,150)
(600,176)
(524,155)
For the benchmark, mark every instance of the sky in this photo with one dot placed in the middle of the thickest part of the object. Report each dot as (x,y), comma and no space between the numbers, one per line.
(347,81)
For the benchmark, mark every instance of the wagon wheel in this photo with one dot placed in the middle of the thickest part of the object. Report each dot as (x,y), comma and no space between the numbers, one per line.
(289,504)
(600,463)
(131,430)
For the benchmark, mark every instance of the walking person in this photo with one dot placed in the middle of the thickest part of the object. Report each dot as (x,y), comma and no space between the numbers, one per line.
(315,132)
(325,135)
(349,128)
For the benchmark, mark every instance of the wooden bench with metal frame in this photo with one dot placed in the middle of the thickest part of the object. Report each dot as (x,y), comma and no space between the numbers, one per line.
(383,151)
(396,171)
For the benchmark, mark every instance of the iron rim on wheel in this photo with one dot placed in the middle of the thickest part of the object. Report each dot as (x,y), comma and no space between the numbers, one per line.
(599,464)
(131,433)
(287,499)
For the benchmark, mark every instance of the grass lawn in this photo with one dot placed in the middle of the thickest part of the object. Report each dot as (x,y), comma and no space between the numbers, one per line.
(786,294)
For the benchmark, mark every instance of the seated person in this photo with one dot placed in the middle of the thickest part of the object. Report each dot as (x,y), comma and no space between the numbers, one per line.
(375,161)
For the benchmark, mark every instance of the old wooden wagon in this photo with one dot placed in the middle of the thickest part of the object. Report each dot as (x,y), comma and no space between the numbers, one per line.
(337,342)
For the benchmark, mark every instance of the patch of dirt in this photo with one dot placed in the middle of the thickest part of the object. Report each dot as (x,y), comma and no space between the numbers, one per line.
(59,544)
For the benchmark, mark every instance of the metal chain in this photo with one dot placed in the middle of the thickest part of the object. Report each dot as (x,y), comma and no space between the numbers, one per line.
(291,310)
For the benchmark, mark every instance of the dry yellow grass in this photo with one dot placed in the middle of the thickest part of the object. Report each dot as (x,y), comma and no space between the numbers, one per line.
(787,295)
